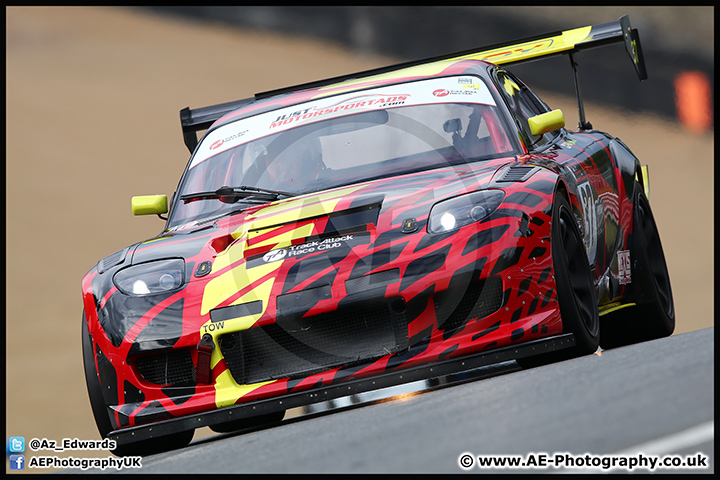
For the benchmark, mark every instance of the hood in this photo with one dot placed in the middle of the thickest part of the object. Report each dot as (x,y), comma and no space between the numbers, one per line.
(375,208)
(239,259)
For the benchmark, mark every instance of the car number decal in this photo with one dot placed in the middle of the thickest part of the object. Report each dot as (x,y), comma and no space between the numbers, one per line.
(591,220)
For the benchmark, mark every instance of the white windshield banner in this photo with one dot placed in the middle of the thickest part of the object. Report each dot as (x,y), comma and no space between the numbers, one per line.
(457,89)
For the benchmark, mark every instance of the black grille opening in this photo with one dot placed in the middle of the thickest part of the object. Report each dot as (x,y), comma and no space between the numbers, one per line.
(455,307)
(168,368)
(296,347)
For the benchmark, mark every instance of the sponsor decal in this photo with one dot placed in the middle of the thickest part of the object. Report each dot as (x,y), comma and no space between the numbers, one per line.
(568,143)
(300,250)
(624,267)
(460,88)
(275,255)
(349,105)
(467,90)
(318,246)
(468,82)
(217,144)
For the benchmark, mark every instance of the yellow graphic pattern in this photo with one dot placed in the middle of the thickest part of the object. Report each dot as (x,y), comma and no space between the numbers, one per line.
(283,239)
(522,51)
(510,86)
(427,69)
(301,208)
(227,392)
(221,288)
(229,283)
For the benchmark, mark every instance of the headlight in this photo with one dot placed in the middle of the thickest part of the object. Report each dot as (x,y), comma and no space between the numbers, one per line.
(457,212)
(149,278)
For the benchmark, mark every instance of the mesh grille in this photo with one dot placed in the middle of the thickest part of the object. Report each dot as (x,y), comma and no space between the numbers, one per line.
(295,347)
(374,280)
(458,306)
(167,368)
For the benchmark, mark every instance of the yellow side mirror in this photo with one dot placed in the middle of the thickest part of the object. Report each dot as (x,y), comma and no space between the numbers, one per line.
(149,205)
(546,122)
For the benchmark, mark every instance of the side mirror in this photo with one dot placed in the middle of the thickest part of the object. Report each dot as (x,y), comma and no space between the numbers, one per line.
(149,205)
(546,122)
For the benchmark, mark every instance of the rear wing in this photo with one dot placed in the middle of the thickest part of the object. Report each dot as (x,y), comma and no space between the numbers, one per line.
(193,121)
(567,42)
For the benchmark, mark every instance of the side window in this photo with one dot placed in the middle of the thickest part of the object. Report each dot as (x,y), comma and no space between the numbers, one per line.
(523,104)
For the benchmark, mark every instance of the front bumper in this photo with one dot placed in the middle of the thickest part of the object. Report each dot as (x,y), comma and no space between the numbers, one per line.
(343,389)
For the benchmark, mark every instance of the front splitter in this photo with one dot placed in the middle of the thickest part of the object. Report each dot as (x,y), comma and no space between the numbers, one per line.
(342,389)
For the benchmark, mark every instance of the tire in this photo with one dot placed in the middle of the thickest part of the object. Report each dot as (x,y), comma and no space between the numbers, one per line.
(653,316)
(102,418)
(575,288)
(252,422)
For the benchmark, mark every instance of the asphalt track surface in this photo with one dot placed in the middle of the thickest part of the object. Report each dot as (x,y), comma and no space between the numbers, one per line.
(654,398)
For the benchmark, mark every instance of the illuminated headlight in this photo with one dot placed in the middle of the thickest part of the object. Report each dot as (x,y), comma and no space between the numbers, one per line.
(457,212)
(150,278)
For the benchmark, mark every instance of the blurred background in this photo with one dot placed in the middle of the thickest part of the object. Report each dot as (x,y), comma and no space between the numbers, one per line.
(93,95)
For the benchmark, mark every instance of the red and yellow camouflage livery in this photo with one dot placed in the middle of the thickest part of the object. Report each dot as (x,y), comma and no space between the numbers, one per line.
(368,231)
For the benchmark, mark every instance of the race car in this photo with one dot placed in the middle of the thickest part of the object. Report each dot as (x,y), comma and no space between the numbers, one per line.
(367,231)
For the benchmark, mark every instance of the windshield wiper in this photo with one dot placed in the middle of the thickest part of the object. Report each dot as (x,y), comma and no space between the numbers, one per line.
(242,192)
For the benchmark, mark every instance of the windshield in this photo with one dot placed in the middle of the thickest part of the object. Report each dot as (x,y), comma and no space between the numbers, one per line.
(335,142)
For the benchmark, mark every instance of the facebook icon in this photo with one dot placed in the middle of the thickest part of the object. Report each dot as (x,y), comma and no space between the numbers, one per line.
(17,462)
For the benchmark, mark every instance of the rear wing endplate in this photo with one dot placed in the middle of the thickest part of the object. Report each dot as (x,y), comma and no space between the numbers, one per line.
(565,42)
